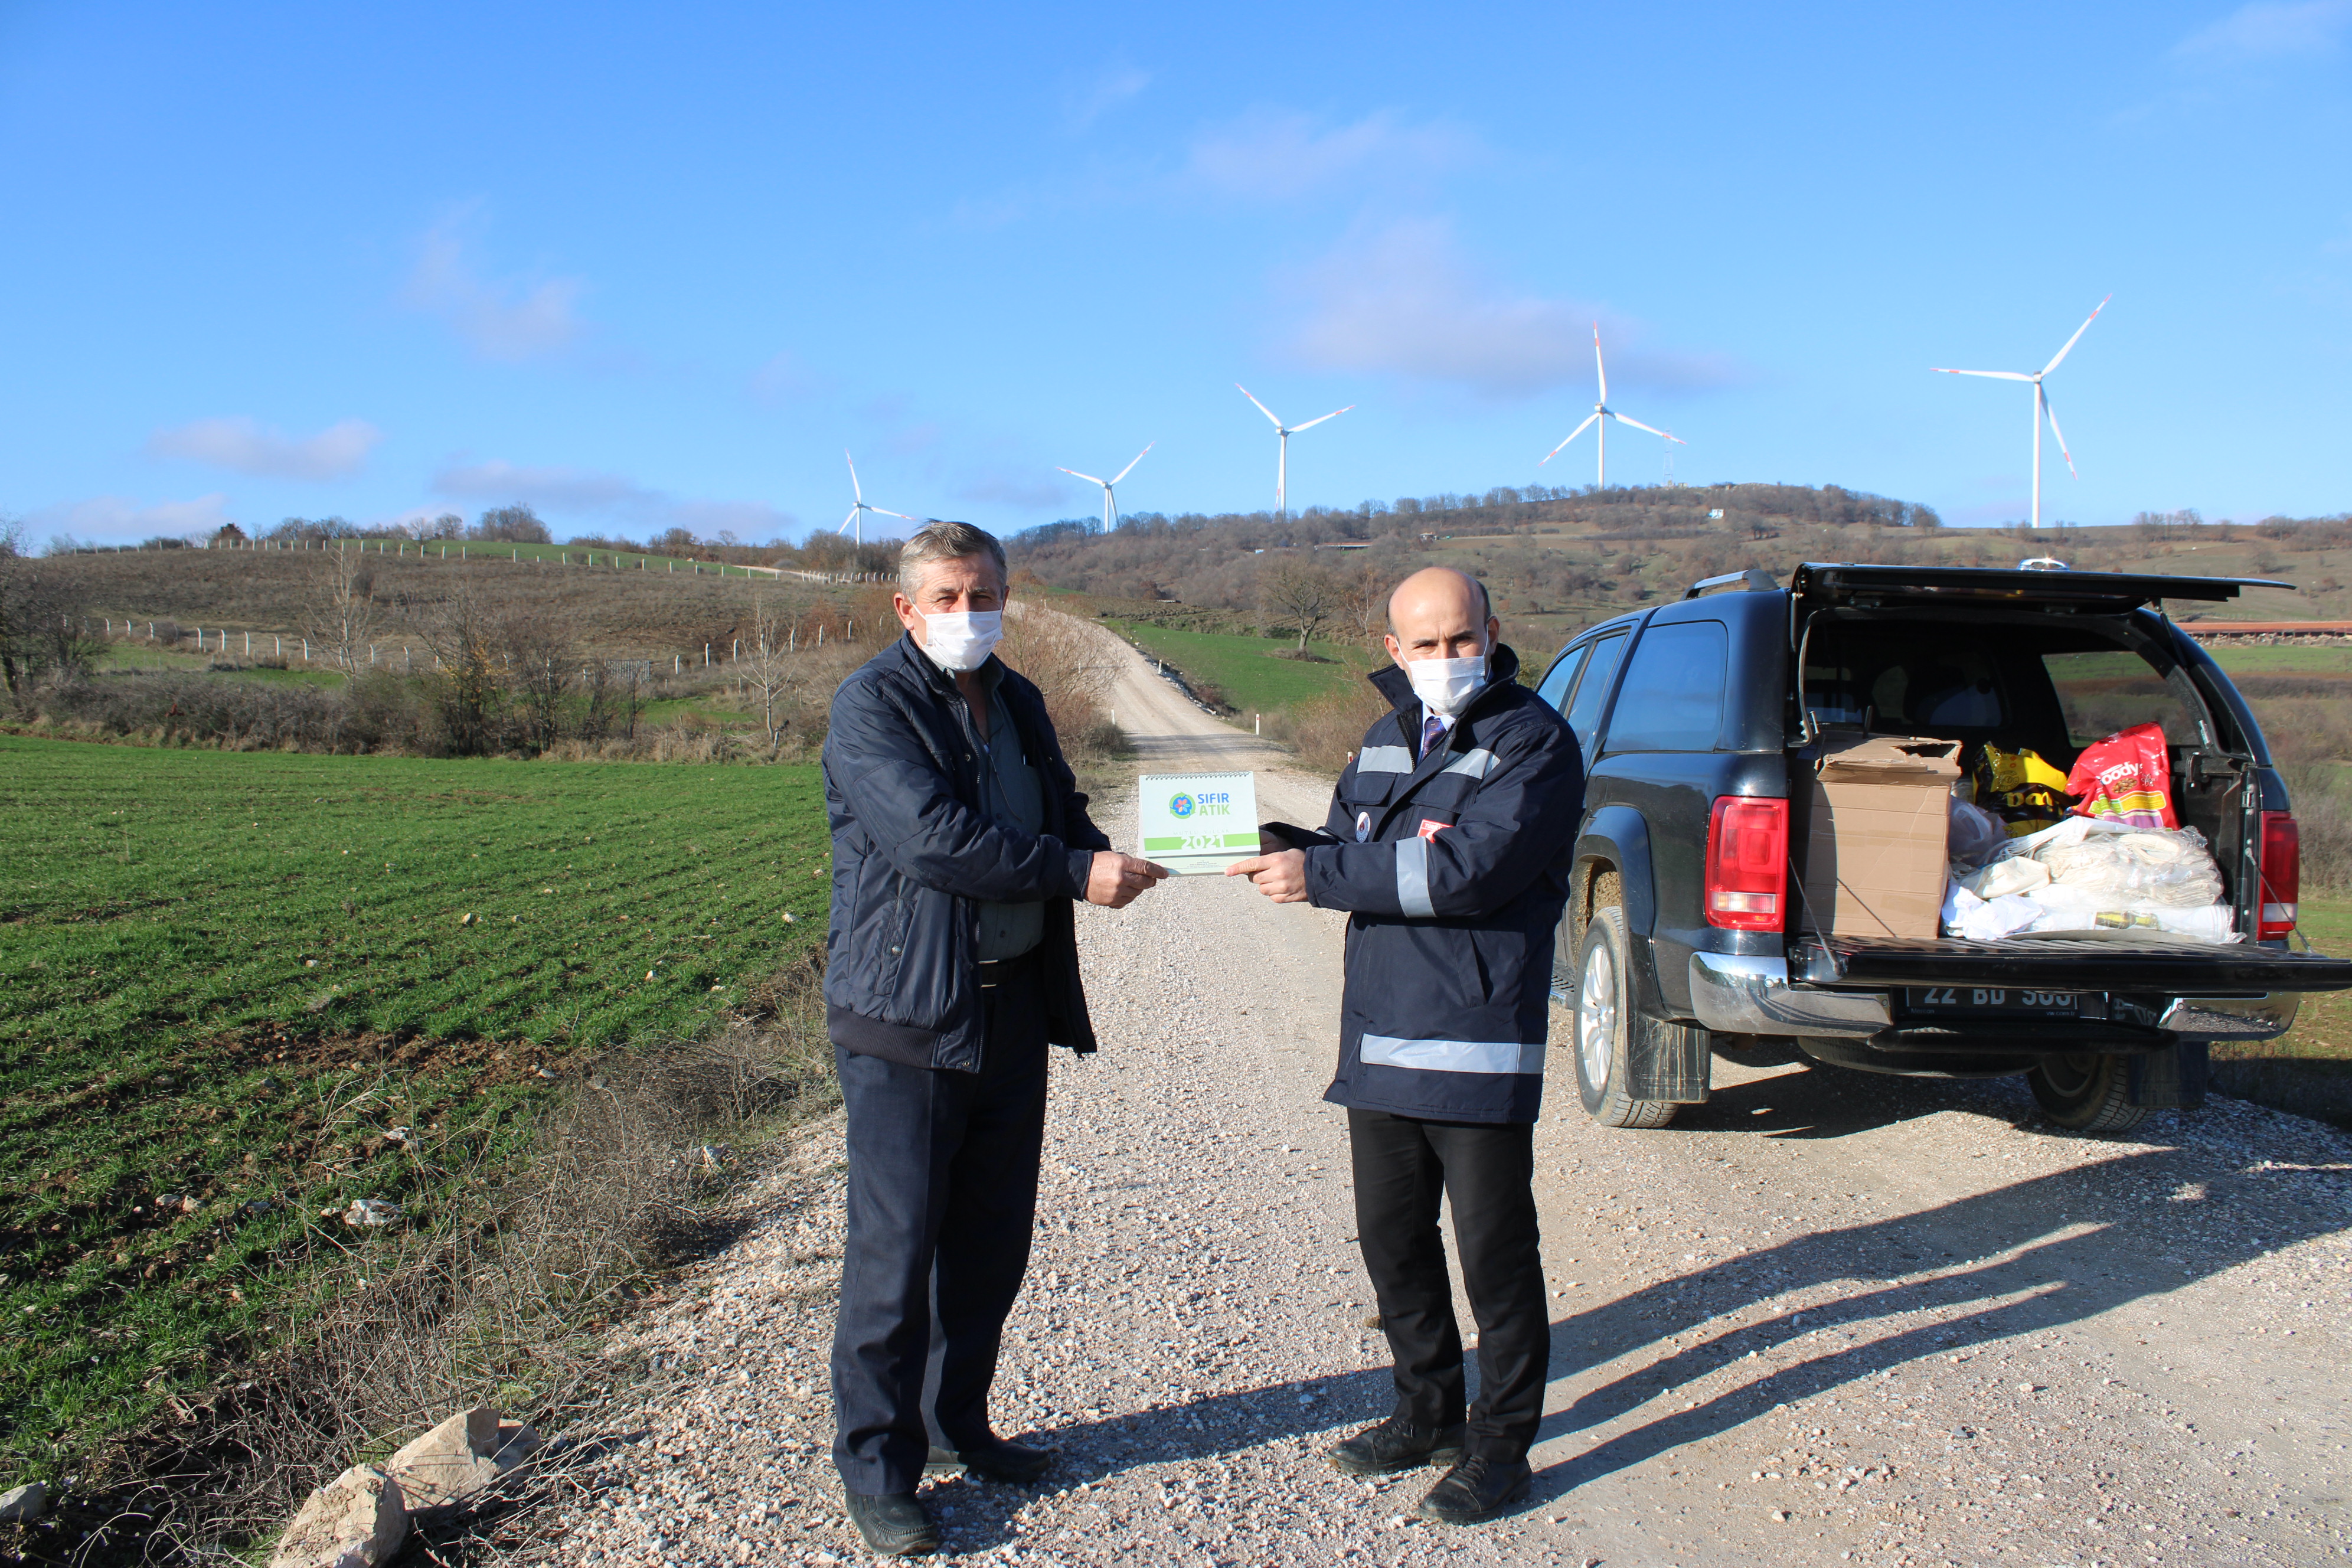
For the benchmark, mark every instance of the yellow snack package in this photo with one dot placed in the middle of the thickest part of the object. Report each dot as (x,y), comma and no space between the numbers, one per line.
(2027,793)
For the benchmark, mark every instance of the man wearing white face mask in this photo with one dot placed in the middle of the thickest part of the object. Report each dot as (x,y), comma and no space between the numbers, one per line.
(961,845)
(1449,842)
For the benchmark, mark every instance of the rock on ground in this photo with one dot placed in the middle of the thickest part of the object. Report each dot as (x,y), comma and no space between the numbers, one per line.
(356,1521)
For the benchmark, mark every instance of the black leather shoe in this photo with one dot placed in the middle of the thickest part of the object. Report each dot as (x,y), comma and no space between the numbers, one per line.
(1395,1444)
(996,1459)
(894,1525)
(1476,1489)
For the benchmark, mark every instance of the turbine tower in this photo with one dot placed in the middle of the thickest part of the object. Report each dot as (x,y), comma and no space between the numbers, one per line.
(1110,505)
(1282,461)
(856,517)
(2042,409)
(1602,414)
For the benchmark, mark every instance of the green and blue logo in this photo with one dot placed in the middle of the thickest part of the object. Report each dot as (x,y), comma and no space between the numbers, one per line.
(1180,805)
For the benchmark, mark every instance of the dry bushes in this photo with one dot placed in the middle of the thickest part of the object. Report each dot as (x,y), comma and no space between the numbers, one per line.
(504,1301)
(1073,665)
(1326,731)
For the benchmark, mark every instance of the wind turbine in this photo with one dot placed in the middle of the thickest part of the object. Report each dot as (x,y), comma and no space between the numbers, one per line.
(856,517)
(1110,505)
(1282,463)
(2042,409)
(1602,413)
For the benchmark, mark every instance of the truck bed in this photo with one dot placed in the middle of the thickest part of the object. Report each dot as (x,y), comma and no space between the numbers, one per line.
(2076,962)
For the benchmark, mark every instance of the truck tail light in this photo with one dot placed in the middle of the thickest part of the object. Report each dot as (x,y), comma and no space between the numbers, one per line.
(2281,875)
(1747,863)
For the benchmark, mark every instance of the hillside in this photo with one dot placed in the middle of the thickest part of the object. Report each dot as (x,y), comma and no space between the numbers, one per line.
(663,609)
(1556,560)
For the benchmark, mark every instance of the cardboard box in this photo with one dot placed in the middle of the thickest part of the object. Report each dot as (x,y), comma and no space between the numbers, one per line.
(1874,861)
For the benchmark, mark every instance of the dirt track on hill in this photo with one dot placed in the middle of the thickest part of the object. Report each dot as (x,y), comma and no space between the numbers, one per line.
(1824,1318)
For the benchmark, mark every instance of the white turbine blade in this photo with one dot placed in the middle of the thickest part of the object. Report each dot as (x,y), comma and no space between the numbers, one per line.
(2076,338)
(1260,407)
(1652,429)
(853,489)
(1139,458)
(1590,420)
(1599,369)
(1996,374)
(901,516)
(2052,413)
(851,518)
(1311,424)
(1088,478)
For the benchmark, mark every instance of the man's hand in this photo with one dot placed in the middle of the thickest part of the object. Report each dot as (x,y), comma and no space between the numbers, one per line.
(1280,877)
(1117,879)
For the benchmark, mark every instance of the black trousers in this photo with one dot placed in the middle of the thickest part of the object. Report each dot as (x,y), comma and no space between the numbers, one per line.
(942,1199)
(1401,1168)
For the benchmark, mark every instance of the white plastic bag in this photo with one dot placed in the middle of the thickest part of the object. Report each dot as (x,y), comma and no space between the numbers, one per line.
(2017,874)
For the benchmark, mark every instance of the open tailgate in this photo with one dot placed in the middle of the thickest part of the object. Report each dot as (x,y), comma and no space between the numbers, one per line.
(2085,592)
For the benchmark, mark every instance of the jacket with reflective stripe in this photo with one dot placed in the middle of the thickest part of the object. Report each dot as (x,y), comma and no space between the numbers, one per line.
(1454,870)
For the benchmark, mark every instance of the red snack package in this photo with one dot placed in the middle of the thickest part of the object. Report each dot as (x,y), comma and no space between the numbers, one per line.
(2126,778)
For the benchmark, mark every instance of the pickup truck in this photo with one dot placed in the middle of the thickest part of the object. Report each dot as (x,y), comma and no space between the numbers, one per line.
(1700,720)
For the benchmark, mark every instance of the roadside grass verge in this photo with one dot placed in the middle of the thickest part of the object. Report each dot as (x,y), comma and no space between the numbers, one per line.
(241,990)
(1244,670)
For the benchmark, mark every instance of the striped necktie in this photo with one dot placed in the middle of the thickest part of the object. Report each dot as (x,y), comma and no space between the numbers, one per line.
(1432,731)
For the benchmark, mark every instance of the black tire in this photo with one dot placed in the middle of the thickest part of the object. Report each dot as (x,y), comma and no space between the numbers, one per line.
(2085,1093)
(1602,1004)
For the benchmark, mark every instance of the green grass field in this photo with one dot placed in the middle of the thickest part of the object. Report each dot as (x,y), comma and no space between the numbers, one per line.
(1243,667)
(228,976)
(598,560)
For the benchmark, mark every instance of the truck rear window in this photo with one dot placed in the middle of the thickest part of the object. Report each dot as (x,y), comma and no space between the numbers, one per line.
(1903,680)
(2101,693)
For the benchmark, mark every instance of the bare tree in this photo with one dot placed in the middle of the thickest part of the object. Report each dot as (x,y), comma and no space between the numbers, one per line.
(466,667)
(541,664)
(765,671)
(42,629)
(1302,592)
(339,613)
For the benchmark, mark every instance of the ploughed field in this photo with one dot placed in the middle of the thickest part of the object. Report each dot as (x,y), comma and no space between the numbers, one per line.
(229,977)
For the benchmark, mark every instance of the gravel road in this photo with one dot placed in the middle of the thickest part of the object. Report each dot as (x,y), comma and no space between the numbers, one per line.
(1824,1318)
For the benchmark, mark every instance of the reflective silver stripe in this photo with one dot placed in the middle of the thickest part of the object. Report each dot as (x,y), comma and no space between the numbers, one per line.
(1385,759)
(1477,764)
(1413,878)
(1453,1056)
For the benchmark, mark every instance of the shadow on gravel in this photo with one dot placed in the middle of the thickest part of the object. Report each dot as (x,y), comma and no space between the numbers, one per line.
(2020,1259)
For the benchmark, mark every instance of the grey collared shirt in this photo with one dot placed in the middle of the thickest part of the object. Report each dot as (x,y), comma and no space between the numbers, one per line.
(1013,795)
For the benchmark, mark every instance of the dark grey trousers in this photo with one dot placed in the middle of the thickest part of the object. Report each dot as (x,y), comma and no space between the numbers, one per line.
(942,1199)
(1403,1166)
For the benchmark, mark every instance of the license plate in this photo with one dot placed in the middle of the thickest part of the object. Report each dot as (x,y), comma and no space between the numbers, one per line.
(1989,999)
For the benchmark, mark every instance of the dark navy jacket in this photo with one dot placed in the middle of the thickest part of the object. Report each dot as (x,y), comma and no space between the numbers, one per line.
(914,856)
(1455,869)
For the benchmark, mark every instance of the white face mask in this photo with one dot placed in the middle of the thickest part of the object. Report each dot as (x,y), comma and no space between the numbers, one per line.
(1446,685)
(963,639)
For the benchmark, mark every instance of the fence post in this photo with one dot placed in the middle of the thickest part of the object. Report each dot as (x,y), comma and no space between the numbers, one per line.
(370,656)
(706,656)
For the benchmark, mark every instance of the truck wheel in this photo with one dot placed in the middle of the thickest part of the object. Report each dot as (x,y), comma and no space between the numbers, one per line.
(2087,1093)
(1604,1016)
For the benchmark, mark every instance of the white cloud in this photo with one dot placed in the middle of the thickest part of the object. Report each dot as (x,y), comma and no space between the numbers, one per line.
(501,319)
(243,445)
(2268,29)
(1277,154)
(562,490)
(1087,102)
(1403,300)
(119,520)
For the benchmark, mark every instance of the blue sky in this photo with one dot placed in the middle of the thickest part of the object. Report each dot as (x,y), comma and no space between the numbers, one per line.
(655,266)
